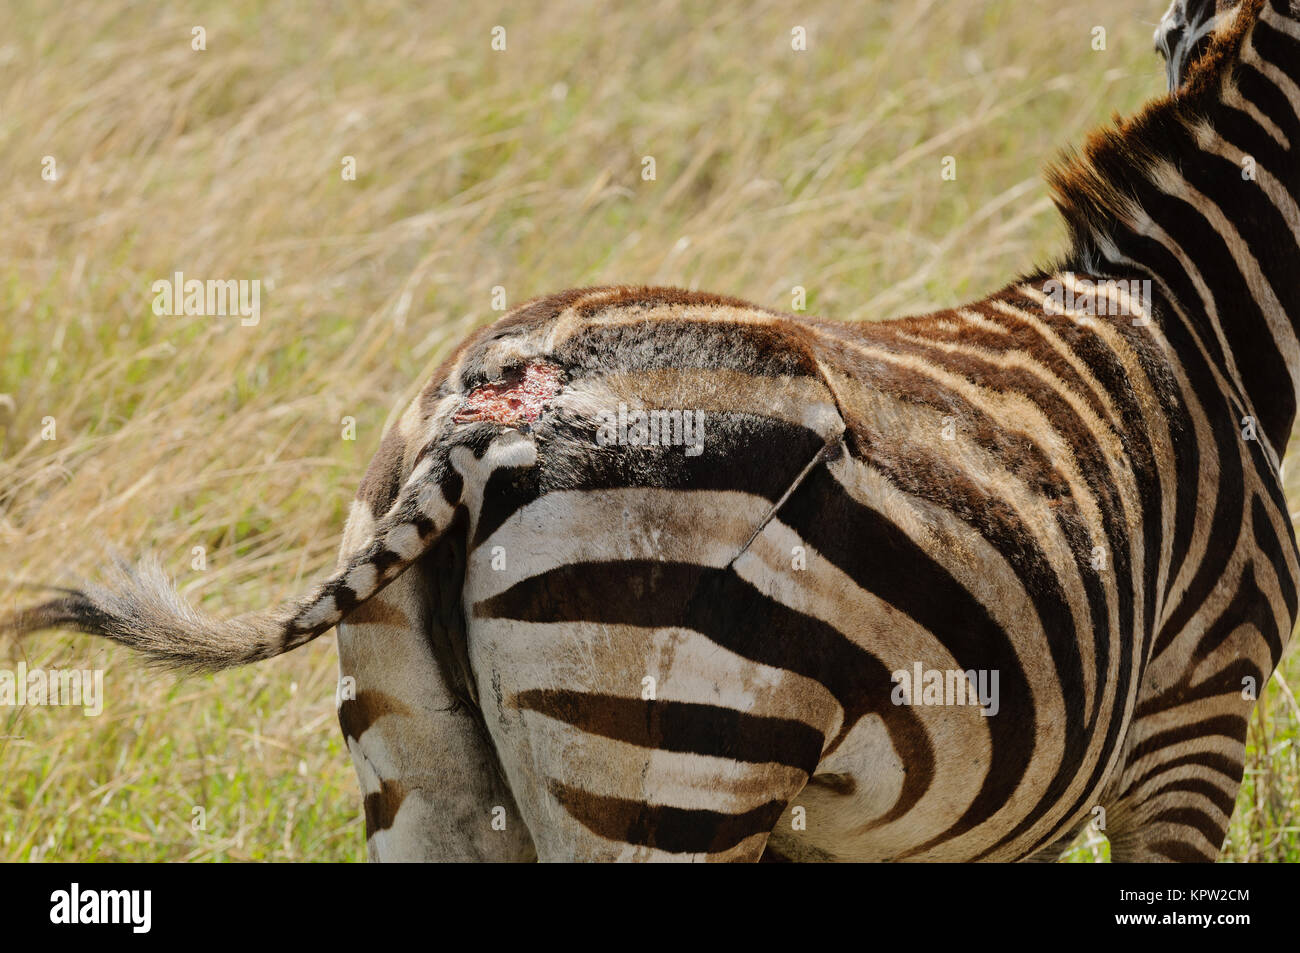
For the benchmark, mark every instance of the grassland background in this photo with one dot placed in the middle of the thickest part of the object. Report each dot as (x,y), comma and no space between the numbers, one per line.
(476,168)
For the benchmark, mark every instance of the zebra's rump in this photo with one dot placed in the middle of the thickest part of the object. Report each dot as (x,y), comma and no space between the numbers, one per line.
(878,591)
(704,588)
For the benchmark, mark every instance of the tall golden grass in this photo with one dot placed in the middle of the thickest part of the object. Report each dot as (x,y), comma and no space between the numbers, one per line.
(476,168)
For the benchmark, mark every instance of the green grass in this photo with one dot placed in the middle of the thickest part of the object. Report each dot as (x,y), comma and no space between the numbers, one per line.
(475,168)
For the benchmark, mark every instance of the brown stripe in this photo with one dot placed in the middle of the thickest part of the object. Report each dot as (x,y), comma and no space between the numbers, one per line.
(383,477)
(836,783)
(1220,798)
(1207,761)
(1227,726)
(665,725)
(1182,853)
(1193,817)
(358,714)
(381,806)
(624,297)
(672,829)
(377,611)
(772,349)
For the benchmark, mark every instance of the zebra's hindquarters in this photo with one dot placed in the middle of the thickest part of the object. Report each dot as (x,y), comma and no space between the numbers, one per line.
(647,695)
(431,785)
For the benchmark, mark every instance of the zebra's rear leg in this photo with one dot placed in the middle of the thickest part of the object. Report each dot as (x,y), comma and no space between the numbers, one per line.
(1186,822)
(601,772)
(431,781)
(1174,800)
(636,807)
(1051,854)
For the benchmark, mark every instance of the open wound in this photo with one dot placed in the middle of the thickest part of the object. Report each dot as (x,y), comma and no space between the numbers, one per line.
(519,397)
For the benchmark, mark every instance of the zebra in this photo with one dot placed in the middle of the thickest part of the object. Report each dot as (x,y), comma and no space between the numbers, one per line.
(568,629)
(1183,34)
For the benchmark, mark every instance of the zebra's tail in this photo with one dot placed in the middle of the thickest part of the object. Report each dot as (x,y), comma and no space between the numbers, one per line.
(140,608)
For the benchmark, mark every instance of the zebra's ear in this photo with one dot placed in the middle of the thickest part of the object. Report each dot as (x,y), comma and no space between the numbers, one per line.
(1184,33)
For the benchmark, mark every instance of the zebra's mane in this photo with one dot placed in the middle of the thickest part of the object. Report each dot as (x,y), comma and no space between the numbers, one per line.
(1094,188)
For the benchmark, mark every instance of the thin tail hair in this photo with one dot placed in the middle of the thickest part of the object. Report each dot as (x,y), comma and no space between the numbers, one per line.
(140,608)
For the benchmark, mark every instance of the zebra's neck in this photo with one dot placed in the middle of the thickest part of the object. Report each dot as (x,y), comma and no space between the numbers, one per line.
(1199,193)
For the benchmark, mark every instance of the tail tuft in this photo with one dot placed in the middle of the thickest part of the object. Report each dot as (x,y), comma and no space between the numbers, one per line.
(141,609)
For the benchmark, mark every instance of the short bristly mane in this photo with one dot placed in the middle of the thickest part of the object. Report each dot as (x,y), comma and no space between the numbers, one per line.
(1094,187)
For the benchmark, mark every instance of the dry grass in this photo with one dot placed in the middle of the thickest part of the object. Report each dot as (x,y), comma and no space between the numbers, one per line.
(475,169)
